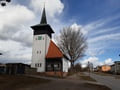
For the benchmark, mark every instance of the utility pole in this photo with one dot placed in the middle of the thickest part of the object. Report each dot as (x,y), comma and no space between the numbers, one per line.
(89,68)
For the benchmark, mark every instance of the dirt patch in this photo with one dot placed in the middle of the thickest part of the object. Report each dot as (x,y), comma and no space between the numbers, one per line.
(103,74)
(117,77)
(17,82)
(96,86)
(85,77)
(88,78)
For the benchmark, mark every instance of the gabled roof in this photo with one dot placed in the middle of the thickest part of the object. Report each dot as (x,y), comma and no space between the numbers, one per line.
(54,51)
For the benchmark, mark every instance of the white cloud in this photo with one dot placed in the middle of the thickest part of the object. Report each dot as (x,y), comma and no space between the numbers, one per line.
(93,25)
(108,61)
(93,60)
(105,37)
(14,52)
(53,7)
(15,33)
(106,30)
(13,15)
(96,61)
(75,26)
(13,18)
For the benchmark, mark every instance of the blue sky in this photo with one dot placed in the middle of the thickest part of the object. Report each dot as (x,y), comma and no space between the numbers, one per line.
(105,14)
(99,20)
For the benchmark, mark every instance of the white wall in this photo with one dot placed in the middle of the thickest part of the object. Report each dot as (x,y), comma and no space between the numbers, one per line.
(39,51)
(66,65)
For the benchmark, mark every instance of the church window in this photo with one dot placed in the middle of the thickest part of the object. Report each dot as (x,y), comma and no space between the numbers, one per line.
(49,65)
(40,64)
(56,65)
(39,37)
(37,52)
(35,65)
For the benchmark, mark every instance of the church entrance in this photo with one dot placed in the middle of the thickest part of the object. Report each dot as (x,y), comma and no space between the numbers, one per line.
(54,64)
(54,67)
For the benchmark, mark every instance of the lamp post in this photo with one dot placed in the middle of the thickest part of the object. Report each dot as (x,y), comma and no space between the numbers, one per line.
(89,67)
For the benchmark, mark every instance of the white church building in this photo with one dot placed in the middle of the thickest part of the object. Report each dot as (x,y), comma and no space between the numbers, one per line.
(46,56)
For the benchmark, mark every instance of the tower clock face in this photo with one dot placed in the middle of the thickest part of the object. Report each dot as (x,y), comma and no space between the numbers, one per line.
(39,37)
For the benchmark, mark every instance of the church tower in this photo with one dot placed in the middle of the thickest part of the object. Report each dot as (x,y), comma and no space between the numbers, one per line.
(42,34)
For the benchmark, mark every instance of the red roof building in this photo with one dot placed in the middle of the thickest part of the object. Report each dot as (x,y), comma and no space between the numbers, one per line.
(54,51)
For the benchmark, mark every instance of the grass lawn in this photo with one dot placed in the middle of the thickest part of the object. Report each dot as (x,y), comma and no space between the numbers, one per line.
(8,82)
(96,86)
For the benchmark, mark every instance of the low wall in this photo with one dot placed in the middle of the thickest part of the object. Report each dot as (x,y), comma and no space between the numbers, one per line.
(57,74)
(29,70)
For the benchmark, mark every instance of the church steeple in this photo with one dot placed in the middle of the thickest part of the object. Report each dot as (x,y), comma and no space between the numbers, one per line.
(43,27)
(43,18)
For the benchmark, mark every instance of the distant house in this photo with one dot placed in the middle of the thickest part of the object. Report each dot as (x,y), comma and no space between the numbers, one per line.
(115,68)
(97,69)
(2,68)
(18,68)
(112,68)
(105,68)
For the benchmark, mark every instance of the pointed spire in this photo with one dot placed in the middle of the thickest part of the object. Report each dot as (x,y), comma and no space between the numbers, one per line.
(43,18)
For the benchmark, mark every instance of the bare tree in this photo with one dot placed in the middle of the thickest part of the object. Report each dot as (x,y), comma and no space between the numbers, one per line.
(72,43)
(78,67)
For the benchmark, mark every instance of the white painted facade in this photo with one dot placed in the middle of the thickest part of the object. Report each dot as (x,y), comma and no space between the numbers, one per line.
(39,51)
(66,65)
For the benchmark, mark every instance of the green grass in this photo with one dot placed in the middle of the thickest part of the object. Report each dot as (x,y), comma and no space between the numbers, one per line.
(17,82)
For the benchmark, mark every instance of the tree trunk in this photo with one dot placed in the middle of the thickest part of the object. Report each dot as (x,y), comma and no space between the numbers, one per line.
(72,65)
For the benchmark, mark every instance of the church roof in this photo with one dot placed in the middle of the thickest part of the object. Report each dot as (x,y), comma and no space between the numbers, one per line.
(54,51)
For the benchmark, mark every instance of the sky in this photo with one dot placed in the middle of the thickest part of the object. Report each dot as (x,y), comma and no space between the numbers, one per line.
(98,20)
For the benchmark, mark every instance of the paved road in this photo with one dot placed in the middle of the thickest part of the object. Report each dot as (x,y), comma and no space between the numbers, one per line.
(109,81)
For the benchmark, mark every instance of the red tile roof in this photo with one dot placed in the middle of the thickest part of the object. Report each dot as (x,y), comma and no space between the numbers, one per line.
(53,51)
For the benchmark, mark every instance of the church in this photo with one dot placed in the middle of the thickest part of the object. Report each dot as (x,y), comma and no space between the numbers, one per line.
(46,56)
